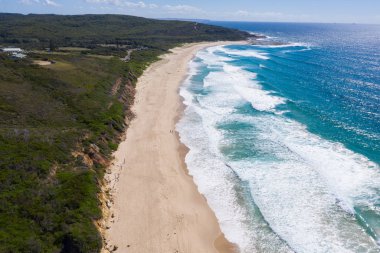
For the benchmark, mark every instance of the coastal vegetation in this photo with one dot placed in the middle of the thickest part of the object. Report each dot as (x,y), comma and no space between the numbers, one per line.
(95,31)
(61,121)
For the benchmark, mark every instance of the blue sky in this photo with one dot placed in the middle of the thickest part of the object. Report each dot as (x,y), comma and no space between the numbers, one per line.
(345,11)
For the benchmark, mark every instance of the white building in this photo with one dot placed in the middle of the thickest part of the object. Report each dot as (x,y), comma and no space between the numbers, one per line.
(12,50)
(18,55)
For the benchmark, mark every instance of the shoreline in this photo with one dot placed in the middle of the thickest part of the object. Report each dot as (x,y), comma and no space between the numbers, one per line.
(153,204)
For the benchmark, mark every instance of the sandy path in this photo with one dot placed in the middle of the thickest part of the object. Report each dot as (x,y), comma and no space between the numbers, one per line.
(157,207)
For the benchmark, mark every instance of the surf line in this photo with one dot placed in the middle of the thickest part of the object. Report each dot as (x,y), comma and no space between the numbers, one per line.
(252,200)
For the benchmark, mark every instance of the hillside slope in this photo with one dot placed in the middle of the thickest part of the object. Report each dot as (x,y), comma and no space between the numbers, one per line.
(90,30)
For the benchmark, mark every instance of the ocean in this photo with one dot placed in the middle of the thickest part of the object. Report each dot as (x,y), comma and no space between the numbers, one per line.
(285,139)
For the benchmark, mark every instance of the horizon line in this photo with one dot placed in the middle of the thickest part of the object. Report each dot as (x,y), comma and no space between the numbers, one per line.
(198,19)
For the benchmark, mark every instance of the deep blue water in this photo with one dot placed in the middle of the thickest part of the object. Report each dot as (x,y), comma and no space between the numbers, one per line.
(335,86)
(285,140)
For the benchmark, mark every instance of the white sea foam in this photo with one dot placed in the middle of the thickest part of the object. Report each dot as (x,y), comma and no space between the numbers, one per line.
(209,57)
(302,191)
(264,38)
(193,69)
(216,181)
(290,44)
(204,164)
(244,53)
(242,82)
(305,186)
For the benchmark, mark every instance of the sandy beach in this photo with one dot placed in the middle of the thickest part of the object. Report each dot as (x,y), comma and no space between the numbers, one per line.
(155,205)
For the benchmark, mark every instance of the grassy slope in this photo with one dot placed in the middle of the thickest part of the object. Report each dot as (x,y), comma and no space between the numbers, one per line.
(48,195)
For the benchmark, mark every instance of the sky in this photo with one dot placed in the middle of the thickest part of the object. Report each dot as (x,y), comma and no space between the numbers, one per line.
(326,11)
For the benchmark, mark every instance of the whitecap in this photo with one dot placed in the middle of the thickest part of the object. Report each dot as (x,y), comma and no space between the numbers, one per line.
(307,189)
(244,53)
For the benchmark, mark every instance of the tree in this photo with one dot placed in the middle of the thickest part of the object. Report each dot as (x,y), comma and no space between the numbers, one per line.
(52,46)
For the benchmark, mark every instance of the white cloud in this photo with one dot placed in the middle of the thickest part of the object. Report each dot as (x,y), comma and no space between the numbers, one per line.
(172,9)
(122,3)
(43,2)
(26,1)
(141,5)
(182,9)
(50,2)
(259,14)
(112,2)
(273,16)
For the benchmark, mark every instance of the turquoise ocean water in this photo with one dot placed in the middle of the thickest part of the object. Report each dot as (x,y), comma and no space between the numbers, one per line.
(285,140)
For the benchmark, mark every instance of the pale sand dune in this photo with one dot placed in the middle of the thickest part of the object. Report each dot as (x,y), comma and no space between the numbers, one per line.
(157,207)
(42,63)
